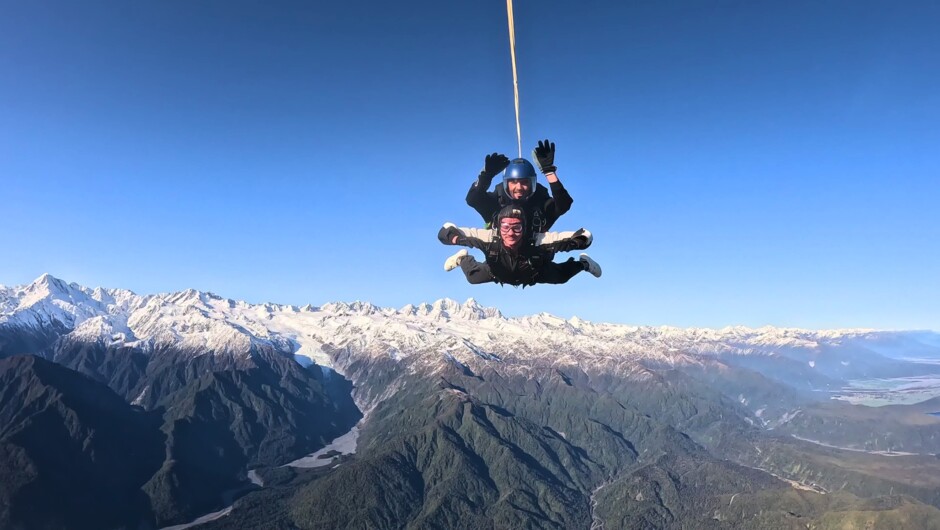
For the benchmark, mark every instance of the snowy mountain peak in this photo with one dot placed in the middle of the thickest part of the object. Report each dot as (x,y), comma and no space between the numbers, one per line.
(354,308)
(48,280)
(48,301)
(444,307)
(466,332)
(46,286)
(447,308)
(188,296)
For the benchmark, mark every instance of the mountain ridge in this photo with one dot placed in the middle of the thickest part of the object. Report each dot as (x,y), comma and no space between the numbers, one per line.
(205,321)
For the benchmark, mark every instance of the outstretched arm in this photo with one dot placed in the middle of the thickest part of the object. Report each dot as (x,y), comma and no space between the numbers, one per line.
(564,241)
(450,234)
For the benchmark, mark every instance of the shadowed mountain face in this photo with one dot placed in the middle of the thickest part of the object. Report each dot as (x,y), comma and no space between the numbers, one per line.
(273,412)
(281,407)
(65,436)
(72,453)
(214,417)
(34,340)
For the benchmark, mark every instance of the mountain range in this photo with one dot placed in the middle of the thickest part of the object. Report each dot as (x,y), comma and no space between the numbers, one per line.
(119,410)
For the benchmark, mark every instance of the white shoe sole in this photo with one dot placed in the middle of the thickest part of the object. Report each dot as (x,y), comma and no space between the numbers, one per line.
(454,261)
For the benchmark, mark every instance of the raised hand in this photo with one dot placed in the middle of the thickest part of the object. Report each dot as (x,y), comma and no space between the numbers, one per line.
(493,164)
(544,156)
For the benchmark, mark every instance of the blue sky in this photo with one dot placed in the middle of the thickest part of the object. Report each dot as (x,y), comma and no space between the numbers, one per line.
(738,162)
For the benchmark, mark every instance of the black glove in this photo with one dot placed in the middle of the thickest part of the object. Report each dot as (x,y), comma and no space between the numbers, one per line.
(493,164)
(544,156)
(447,232)
(581,239)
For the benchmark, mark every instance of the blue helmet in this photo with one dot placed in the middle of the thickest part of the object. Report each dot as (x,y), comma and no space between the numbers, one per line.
(518,169)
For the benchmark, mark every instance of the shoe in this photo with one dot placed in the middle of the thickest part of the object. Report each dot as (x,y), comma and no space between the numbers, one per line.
(590,265)
(450,225)
(454,261)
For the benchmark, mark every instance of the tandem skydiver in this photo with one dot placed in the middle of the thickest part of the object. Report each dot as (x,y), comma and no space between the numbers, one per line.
(514,258)
(519,187)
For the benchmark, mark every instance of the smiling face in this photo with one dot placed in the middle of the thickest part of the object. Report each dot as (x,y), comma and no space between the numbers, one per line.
(510,231)
(519,189)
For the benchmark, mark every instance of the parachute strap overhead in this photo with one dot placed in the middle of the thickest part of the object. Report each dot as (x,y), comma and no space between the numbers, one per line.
(515,78)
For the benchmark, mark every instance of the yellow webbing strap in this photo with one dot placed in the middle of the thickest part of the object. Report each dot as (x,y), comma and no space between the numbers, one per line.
(515,78)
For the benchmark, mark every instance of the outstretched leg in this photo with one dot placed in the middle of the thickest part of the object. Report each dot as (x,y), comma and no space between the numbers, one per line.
(475,271)
(562,272)
(552,272)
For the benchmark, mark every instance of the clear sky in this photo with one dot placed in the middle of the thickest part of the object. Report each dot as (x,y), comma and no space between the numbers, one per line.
(739,162)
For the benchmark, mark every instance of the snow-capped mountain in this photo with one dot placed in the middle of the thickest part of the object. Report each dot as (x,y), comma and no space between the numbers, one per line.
(563,418)
(444,330)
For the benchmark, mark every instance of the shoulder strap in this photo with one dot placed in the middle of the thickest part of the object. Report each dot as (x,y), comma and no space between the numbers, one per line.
(492,250)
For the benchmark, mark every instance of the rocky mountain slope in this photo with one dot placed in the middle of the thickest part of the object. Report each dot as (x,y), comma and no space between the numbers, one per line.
(476,420)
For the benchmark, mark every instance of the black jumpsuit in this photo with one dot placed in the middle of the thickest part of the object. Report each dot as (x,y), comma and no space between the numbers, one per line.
(531,264)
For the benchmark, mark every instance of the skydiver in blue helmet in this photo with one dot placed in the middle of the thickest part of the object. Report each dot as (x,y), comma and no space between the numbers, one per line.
(519,187)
